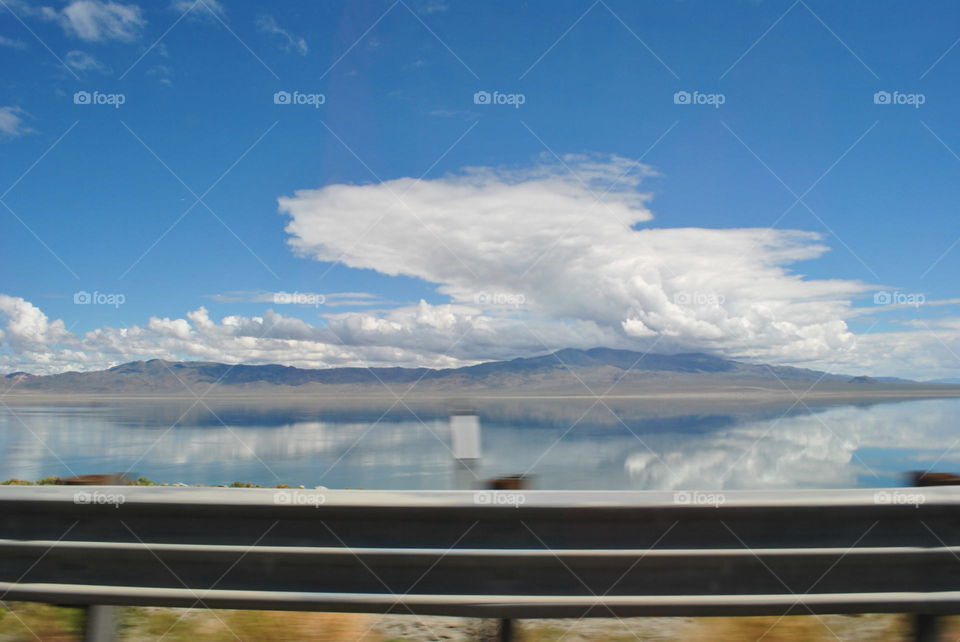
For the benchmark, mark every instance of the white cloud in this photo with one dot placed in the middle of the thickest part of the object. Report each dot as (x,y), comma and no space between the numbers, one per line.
(930,351)
(447,335)
(200,9)
(314,299)
(569,247)
(163,74)
(807,450)
(98,20)
(11,122)
(531,259)
(289,42)
(12,42)
(27,326)
(82,61)
(421,335)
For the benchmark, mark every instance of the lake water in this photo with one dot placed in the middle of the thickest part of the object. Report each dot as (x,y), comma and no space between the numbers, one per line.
(561,444)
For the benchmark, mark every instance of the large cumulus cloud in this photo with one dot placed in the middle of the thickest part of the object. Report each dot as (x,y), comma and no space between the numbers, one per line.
(573,242)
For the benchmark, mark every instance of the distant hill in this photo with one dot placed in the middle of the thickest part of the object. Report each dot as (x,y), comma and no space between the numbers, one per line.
(569,371)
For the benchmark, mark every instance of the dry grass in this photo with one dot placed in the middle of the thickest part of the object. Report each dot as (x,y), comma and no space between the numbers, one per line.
(888,628)
(872,628)
(47,623)
(179,625)
(31,621)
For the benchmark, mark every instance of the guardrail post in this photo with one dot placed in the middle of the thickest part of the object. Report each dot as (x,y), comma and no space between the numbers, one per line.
(925,625)
(505,634)
(101,625)
(512,482)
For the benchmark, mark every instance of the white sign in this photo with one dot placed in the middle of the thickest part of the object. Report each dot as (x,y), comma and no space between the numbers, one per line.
(465,436)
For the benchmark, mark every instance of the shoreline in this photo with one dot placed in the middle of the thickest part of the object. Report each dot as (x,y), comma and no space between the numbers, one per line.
(729,395)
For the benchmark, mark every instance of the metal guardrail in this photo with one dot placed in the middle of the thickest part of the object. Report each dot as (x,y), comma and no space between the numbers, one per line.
(507,554)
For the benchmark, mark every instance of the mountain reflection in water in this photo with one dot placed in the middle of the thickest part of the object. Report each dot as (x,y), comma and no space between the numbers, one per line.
(562,444)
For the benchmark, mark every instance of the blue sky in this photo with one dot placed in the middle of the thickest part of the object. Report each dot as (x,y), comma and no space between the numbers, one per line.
(99,194)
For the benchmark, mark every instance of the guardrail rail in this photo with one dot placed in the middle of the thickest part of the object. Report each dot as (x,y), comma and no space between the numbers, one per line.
(489,554)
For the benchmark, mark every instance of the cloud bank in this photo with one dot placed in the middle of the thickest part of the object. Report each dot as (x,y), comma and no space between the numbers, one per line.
(560,254)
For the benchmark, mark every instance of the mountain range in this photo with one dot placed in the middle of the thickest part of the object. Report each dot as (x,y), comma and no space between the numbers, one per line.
(565,372)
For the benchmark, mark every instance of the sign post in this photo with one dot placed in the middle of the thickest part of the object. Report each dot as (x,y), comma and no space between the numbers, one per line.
(465,445)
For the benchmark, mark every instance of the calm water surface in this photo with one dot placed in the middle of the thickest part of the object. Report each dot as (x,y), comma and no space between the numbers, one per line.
(562,444)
